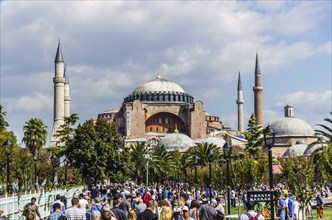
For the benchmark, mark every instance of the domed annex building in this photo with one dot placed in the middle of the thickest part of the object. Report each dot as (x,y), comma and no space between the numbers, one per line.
(161,112)
(292,135)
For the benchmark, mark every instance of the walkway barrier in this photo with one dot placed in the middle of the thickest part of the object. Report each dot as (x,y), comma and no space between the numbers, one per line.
(13,205)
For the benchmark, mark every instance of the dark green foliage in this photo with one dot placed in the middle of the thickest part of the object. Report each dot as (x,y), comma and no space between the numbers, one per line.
(3,123)
(254,136)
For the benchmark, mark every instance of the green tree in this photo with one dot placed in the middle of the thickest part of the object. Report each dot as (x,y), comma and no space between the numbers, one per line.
(35,135)
(321,157)
(94,149)
(65,134)
(298,173)
(162,163)
(3,123)
(248,172)
(138,150)
(254,136)
(83,152)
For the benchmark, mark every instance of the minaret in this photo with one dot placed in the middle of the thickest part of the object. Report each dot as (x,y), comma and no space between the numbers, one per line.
(59,84)
(258,89)
(239,102)
(67,94)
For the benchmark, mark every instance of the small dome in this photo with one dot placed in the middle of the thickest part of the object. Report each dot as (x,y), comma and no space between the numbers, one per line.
(212,140)
(290,126)
(176,141)
(158,85)
(295,150)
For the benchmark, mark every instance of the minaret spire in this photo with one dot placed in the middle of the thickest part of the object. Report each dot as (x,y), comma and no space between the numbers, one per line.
(258,90)
(58,56)
(239,103)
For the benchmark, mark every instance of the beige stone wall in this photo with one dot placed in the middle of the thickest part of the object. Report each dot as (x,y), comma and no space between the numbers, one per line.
(197,121)
(136,120)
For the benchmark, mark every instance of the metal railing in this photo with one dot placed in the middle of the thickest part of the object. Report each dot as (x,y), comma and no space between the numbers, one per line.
(13,205)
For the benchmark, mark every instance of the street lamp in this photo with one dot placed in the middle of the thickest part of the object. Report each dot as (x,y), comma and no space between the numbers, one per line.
(8,145)
(227,148)
(35,158)
(195,159)
(268,134)
(147,158)
(210,153)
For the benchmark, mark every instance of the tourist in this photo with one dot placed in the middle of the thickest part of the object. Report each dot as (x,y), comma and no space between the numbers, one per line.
(2,217)
(32,208)
(280,206)
(319,205)
(56,212)
(74,212)
(148,214)
(121,215)
(185,214)
(207,211)
(193,210)
(250,212)
(58,200)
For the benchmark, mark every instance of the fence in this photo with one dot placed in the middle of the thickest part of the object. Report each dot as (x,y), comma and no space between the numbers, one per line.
(13,205)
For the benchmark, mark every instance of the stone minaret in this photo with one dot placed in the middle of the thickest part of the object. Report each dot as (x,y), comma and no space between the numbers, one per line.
(67,94)
(258,89)
(59,94)
(239,102)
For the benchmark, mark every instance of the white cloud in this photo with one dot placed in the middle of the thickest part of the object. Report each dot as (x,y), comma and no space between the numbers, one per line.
(37,102)
(307,101)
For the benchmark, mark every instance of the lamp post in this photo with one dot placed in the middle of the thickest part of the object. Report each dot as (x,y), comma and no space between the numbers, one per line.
(8,145)
(185,170)
(210,153)
(53,158)
(35,158)
(195,159)
(147,158)
(269,133)
(227,148)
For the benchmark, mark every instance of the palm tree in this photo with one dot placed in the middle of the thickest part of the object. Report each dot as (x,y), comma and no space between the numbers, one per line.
(205,153)
(35,136)
(138,150)
(162,163)
(321,157)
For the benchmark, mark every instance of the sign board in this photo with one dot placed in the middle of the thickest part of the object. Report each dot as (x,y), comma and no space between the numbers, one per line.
(258,196)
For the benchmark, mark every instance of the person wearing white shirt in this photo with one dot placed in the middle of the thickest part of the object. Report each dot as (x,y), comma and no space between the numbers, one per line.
(296,208)
(84,204)
(250,212)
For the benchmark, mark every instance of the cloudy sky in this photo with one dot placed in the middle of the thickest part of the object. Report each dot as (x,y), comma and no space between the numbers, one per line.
(110,47)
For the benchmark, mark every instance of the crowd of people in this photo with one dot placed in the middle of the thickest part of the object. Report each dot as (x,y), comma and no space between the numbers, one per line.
(164,202)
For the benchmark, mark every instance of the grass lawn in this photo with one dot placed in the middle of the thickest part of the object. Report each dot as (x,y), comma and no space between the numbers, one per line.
(327,212)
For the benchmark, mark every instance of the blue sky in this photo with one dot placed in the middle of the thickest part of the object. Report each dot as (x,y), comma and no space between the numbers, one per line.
(110,47)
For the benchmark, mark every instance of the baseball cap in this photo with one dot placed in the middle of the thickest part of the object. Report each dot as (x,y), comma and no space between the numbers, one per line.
(185,208)
(213,201)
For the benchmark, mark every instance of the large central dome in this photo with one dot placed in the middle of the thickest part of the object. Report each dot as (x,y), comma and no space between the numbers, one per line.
(159,85)
(159,90)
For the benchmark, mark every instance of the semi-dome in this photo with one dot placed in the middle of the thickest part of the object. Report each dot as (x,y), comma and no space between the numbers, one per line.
(159,90)
(176,141)
(291,126)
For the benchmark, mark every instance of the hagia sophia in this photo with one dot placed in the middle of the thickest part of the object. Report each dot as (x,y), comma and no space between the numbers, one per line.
(161,113)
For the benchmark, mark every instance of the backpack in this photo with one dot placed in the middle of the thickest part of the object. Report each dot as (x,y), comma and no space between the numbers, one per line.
(220,215)
(253,217)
